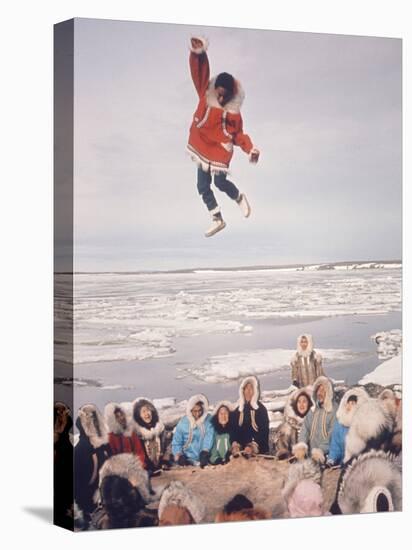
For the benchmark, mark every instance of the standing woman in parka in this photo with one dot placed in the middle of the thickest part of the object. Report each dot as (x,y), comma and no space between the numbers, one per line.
(251,420)
(297,407)
(216,127)
(194,434)
(90,453)
(222,421)
(151,432)
(306,363)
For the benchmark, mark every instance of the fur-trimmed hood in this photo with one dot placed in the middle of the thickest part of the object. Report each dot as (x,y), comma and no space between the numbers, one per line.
(371,483)
(88,416)
(198,398)
(112,424)
(309,349)
(178,494)
(230,406)
(345,417)
(290,412)
(256,392)
(304,469)
(128,466)
(326,382)
(233,105)
(143,430)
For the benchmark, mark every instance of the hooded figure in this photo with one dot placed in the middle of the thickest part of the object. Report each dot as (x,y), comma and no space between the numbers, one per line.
(222,421)
(216,127)
(63,465)
(122,437)
(373,425)
(318,424)
(90,453)
(151,432)
(371,482)
(125,490)
(306,363)
(302,491)
(350,401)
(297,407)
(251,420)
(194,434)
(179,506)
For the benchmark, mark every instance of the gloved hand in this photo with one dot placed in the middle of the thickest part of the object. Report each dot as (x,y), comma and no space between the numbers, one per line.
(318,455)
(182,460)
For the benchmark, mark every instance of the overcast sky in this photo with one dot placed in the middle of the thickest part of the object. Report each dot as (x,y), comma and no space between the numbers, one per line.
(325,111)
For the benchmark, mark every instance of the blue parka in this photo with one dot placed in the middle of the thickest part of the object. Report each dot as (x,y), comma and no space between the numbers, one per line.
(191,436)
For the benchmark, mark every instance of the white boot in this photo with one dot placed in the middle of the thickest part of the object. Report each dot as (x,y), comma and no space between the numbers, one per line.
(217,223)
(244,205)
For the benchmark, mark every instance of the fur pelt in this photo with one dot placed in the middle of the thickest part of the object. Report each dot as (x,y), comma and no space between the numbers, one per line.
(345,417)
(326,382)
(129,467)
(144,432)
(304,469)
(86,414)
(178,494)
(191,403)
(371,425)
(309,349)
(256,392)
(365,478)
(111,422)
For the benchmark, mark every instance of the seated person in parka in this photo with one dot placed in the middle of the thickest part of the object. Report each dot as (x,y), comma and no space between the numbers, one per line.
(350,401)
(251,421)
(151,432)
(318,424)
(122,436)
(222,421)
(297,407)
(194,434)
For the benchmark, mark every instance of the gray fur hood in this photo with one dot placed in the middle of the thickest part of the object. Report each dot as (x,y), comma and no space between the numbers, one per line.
(112,424)
(178,494)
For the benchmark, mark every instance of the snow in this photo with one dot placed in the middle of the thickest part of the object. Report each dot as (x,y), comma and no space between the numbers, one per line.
(233,366)
(389,343)
(388,372)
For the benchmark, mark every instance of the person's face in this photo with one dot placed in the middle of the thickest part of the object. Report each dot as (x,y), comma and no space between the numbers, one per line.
(350,405)
(121,419)
(197,411)
(146,414)
(248,392)
(223,95)
(321,394)
(302,404)
(223,416)
(304,343)
(175,515)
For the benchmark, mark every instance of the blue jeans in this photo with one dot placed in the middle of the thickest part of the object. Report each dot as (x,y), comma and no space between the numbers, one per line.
(204,181)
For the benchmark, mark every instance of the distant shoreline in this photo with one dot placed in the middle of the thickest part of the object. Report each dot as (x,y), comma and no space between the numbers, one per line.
(318,266)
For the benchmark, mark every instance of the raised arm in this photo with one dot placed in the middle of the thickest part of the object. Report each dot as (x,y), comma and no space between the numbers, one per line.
(199,64)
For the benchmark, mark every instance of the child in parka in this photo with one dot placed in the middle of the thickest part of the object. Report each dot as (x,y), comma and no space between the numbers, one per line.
(216,127)
(222,421)
(194,434)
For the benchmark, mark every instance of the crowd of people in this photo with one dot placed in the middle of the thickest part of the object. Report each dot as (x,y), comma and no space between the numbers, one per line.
(118,452)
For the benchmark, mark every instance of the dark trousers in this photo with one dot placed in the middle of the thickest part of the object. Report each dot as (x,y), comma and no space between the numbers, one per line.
(204,181)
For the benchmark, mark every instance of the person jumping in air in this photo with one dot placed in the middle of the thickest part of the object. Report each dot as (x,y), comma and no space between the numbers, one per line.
(216,127)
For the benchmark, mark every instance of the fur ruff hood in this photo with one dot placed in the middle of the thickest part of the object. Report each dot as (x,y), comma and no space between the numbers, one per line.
(345,417)
(289,413)
(128,466)
(304,469)
(178,494)
(326,382)
(86,424)
(191,403)
(230,407)
(256,393)
(368,478)
(309,349)
(112,424)
(144,432)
